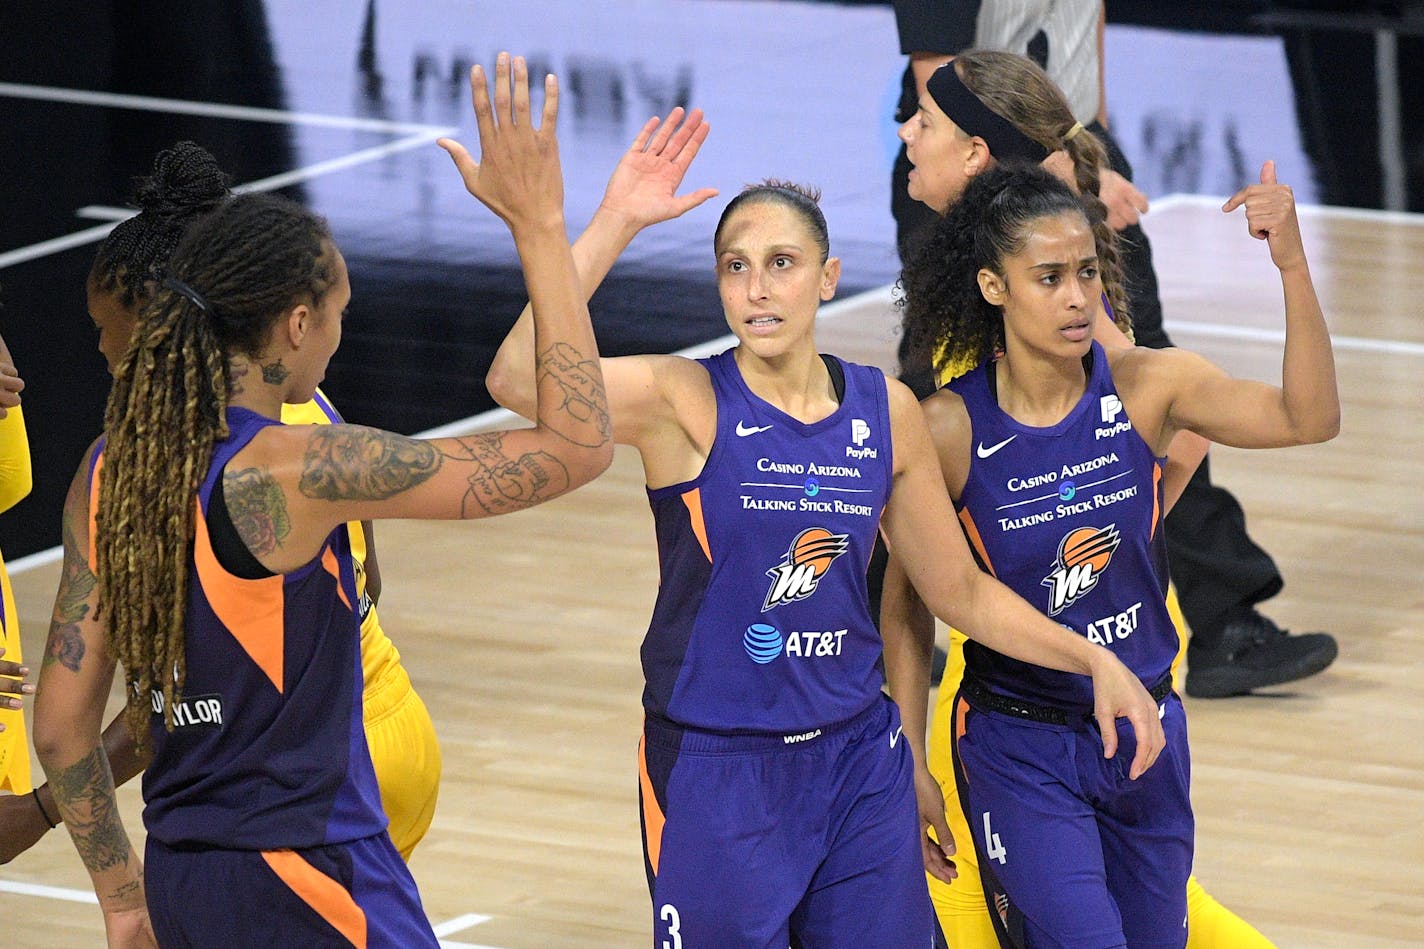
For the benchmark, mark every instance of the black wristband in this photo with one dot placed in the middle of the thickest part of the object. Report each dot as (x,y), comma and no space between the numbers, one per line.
(43,813)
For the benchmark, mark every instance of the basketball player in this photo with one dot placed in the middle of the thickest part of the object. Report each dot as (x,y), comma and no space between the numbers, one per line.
(186,183)
(1052,455)
(991,104)
(771,762)
(1223,575)
(237,617)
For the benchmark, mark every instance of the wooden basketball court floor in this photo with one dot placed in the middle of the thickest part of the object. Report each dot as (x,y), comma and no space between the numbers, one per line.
(522,636)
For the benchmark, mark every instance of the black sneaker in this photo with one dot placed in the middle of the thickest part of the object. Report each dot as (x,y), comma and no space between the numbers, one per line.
(1254,653)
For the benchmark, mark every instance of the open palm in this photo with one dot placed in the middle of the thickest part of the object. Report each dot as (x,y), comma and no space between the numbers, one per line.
(643,188)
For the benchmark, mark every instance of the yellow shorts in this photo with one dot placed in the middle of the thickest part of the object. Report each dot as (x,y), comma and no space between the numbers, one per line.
(405,753)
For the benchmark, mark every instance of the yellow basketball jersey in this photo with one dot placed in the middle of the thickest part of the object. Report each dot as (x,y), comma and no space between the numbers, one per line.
(14,485)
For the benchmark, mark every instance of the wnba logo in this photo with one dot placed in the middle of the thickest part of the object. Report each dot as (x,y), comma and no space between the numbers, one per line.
(795,578)
(1083,555)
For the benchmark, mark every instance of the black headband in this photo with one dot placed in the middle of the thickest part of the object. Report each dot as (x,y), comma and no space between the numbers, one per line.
(969,112)
(183,290)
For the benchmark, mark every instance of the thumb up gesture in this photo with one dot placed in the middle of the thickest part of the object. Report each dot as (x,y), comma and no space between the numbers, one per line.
(1270,216)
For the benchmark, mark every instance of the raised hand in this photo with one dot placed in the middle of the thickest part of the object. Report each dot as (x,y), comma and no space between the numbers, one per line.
(1271,217)
(1125,202)
(518,176)
(643,188)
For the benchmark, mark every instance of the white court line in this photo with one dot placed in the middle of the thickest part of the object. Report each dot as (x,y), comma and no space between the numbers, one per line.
(461,922)
(1411,218)
(271,183)
(1393,347)
(49,892)
(215,110)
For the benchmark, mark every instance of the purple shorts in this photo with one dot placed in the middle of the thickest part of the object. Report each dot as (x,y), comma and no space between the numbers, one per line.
(810,839)
(1071,852)
(356,893)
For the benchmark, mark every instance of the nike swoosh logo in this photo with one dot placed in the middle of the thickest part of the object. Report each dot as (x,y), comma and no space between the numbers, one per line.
(744,430)
(983,452)
(895,735)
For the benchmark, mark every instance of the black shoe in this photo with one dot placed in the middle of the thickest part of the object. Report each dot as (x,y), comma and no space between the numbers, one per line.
(1253,653)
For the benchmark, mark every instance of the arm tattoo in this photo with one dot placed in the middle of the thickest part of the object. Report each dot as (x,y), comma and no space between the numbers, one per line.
(76,583)
(258,509)
(505,484)
(275,373)
(85,794)
(584,402)
(350,463)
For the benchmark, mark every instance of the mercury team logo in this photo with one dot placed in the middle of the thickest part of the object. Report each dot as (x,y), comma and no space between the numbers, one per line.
(1083,554)
(807,558)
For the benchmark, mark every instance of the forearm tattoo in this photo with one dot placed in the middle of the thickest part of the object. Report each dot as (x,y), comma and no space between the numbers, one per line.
(258,509)
(84,792)
(76,584)
(585,403)
(348,463)
(502,484)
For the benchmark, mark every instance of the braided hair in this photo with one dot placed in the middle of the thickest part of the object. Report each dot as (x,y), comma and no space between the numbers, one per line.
(185,184)
(248,262)
(1019,90)
(944,308)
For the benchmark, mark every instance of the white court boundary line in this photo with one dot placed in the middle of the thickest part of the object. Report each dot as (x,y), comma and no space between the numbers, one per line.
(1410,218)
(216,110)
(414,136)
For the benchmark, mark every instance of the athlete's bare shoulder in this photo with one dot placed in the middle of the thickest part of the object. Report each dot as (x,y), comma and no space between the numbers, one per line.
(666,408)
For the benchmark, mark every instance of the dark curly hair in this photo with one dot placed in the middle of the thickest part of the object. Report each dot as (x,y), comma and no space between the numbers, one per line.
(944,309)
(1019,90)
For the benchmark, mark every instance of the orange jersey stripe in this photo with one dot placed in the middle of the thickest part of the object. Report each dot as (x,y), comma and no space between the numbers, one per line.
(693,500)
(252,610)
(94,513)
(653,819)
(330,899)
(1156,499)
(961,711)
(328,560)
(971,530)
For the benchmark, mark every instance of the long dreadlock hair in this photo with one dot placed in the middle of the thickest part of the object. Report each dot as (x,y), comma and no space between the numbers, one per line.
(944,307)
(250,261)
(185,184)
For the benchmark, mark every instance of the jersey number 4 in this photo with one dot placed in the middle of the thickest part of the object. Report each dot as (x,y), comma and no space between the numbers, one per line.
(993,847)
